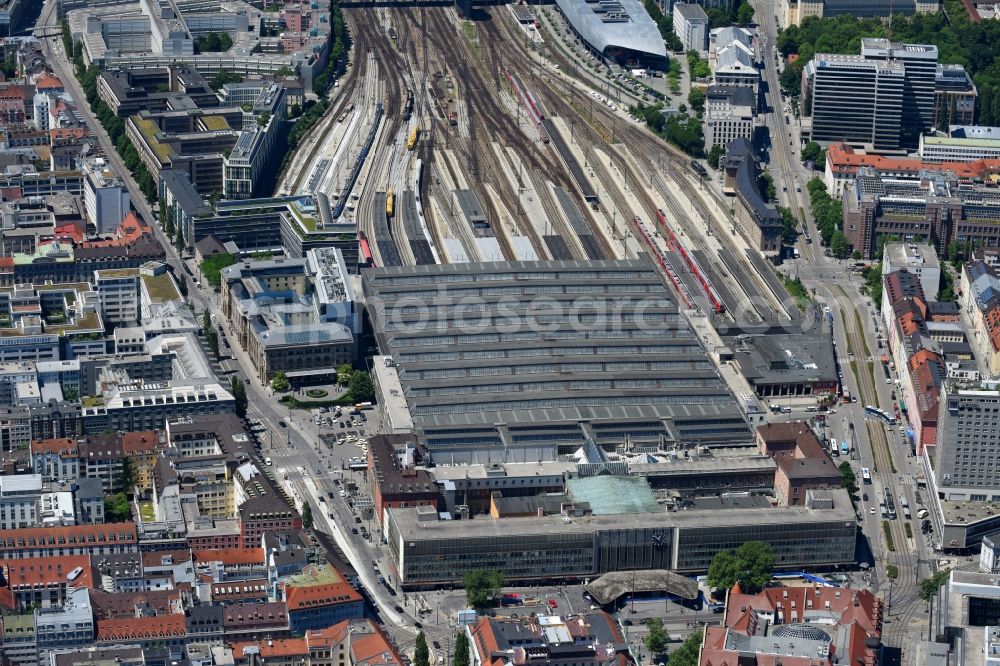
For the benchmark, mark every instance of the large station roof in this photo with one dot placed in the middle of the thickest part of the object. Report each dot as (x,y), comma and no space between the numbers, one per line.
(481,344)
(614,23)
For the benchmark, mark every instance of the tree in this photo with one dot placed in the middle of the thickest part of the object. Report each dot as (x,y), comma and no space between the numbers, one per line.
(344,373)
(789,226)
(361,387)
(421,654)
(117,509)
(71,394)
(892,571)
(813,152)
(461,650)
(482,586)
(239,392)
(847,478)
(687,653)
(279,383)
(656,636)
(954,251)
(751,565)
(744,15)
(723,572)
(128,475)
(696,98)
(307,516)
(839,246)
(212,267)
(765,183)
(715,155)
(929,586)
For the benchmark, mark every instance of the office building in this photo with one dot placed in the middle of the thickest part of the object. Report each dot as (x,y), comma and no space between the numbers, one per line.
(793,12)
(71,624)
(528,393)
(619,32)
(147,406)
(919,82)
(963,144)
(320,597)
(119,292)
(935,207)
(104,195)
(969,420)
(843,162)
(428,552)
(691,26)
(963,620)
(955,97)
(855,100)
(730,114)
(293,315)
(250,166)
(20,497)
(919,260)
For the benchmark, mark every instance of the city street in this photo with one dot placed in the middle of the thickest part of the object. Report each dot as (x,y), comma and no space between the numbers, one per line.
(857,326)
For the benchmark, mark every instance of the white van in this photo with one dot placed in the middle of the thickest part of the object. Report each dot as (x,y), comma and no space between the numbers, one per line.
(923,513)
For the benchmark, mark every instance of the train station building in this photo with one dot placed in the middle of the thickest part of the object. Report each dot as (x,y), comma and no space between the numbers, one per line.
(519,361)
(619,31)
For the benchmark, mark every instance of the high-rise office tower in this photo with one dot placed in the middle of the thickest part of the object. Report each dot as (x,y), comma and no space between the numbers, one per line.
(920,66)
(855,100)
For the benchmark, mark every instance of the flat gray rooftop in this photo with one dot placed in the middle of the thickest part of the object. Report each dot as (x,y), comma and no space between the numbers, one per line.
(482,344)
(410,527)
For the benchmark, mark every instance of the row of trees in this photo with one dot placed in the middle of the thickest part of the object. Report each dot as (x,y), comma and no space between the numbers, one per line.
(828,213)
(973,45)
(113,125)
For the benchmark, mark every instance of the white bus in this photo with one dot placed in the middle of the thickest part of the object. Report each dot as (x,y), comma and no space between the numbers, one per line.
(866,476)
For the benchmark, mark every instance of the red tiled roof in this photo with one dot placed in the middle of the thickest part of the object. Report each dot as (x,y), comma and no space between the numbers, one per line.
(373,648)
(70,231)
(97,535)
(64,446)
(844,160)
(926,367)
(49,571)
(145,441)
(858,612)
(128,232)
(329,636)
(315,596)
(282,647)
(61,133)
(139,628)
(48,82)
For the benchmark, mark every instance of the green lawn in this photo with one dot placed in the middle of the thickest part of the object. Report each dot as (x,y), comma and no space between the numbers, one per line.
(146,511)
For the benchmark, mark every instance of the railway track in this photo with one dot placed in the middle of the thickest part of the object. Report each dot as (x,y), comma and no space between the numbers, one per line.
(479,84)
